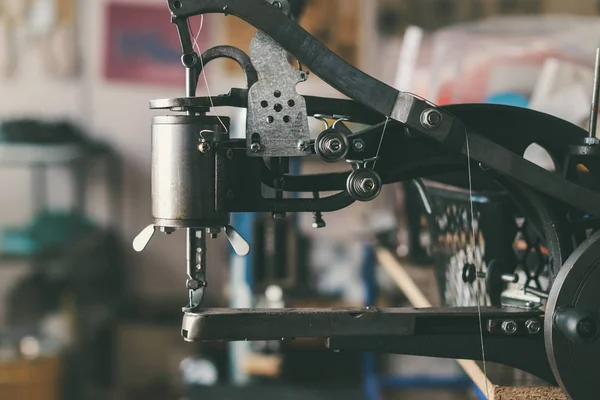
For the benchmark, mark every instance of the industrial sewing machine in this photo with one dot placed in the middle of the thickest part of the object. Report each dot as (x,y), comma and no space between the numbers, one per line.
(200,176)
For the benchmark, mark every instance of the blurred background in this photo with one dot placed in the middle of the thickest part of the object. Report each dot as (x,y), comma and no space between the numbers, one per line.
(84,317)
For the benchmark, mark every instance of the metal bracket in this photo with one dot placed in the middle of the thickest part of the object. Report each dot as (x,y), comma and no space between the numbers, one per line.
(277,123)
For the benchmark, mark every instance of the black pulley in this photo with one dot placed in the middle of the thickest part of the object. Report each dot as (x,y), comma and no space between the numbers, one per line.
(572,322)
(332,145)
(363,184)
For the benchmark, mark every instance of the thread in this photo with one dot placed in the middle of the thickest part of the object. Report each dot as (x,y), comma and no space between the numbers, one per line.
(477,287)
(197,48)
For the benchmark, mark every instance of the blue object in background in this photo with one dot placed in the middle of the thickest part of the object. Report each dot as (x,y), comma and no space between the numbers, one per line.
(508,99)
(480,394)
(48,230)
(372,382)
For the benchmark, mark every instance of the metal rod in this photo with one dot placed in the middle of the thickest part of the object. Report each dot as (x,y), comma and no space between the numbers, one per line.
(595,94)
(536,292)
(190,247)
(196,264)
(190,82)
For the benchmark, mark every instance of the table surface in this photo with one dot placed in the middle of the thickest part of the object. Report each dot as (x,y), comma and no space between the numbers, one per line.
(502,382)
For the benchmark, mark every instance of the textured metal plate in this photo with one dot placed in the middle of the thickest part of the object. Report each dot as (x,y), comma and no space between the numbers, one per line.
(277,118)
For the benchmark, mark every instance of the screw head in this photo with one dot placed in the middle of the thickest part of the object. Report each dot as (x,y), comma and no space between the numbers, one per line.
(278,216)
(587,328)
(302,145)
(509,327)
(255,147)
(229,154)
(358,144)
(431,118)
(367,184)
(204,147)
(533,326)
(192,284)
(335,145)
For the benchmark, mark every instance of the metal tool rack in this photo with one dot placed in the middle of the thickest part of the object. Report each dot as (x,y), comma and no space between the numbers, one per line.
(89,267)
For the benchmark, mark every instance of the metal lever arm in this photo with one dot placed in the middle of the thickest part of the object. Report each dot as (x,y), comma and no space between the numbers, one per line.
(447,333)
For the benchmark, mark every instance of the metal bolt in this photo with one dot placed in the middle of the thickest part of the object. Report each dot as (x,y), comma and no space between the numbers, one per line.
(587,328)
(335,145)
(529,304)
(255,147)
(509,327)
(533,326)
(318,221)
(229,154)
(303,76)
(167,230)
(302,145)
(192,284)
(278,216)
(204,147)
(431,118)
(358,144)
(367,184)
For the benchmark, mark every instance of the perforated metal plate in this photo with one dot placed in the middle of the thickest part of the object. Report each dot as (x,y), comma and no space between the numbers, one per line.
(277,120)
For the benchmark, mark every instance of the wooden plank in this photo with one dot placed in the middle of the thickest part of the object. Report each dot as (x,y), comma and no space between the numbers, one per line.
(502,383)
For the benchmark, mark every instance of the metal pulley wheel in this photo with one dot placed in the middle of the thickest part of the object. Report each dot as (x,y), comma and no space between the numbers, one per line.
(572,322)
(363,184)
(332,145)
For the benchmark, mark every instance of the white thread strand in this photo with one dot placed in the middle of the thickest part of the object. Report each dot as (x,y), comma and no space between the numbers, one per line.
(477,287)
(387,119)
(197,47)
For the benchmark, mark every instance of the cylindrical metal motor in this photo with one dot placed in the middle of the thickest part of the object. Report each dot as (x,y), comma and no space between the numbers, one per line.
(184,171)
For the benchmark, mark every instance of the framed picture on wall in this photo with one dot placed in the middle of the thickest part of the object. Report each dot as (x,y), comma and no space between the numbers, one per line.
(142,45)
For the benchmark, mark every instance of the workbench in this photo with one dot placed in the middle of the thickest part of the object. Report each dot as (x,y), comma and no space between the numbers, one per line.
(502,382)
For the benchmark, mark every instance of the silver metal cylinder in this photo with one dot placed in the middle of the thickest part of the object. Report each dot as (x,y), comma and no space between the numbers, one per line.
(184,171)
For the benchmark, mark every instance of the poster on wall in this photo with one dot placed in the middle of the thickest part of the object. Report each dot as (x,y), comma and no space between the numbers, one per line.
(142,45)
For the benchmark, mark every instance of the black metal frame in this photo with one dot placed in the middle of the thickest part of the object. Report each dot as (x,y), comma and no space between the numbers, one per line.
(495,140)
